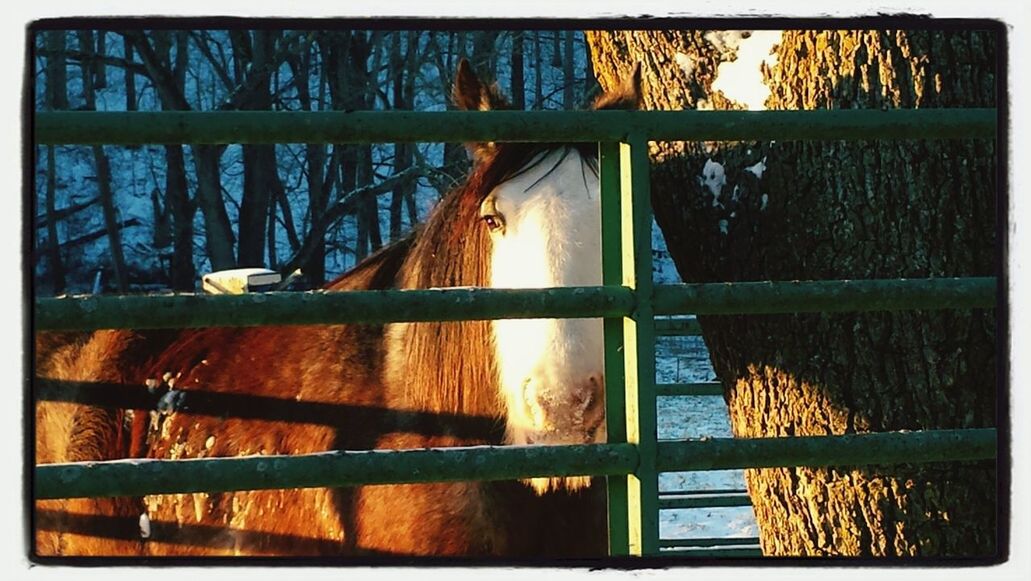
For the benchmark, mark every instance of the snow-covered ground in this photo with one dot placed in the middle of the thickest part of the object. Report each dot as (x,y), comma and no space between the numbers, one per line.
(686,360)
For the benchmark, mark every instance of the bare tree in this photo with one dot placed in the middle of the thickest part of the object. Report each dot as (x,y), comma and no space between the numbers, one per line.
(55,98)
(103,169)
(402,71)
(218,232)
(518,85)
(568,75)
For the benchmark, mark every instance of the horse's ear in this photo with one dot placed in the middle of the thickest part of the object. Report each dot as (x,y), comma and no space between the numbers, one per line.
(471,94)
(626,96)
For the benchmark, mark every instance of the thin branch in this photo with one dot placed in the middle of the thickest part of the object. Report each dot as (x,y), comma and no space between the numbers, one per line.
(80,58)
(334,213)
(216,64)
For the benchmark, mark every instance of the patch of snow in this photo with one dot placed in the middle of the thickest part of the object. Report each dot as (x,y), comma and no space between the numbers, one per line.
(170,402)
(724,227)
(725,41)
(758,168)
(765,200)
(144,526)
(685,62)
(713,177)
(741,80)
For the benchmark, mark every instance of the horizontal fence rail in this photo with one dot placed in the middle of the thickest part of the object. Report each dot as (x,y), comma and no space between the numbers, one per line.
(271,127)
(826,296)
(849,450)
(725,500)
(316,307)
(713,542)
(698,388)
(346,468)
(335,468)
(677,327)
(310,308)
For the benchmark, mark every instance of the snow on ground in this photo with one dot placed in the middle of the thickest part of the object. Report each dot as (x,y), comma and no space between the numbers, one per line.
(686,360)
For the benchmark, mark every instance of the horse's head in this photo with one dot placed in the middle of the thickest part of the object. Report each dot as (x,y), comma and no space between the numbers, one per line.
(541,207)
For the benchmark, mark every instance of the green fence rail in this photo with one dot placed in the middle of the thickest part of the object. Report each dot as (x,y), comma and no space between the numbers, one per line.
(351,468)
(633,457)
(253,127)
(90,312)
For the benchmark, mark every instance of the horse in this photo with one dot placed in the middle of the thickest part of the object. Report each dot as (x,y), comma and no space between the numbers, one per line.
(527,216)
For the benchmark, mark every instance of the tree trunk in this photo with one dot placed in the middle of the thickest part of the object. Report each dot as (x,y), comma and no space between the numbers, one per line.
(114,232)
(182,210)
(259,161)
(350,90)
(55,99)
(103,167)
(568,76)
(57,76)
(218,232)
(538,78)
(368,213)
(177,195)
(402,160)
(54,260)
(518,85)
(840,210)
(99,70)
(130,77)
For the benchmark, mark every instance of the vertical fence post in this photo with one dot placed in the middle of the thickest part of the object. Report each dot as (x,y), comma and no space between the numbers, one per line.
(639,345)
(615,394)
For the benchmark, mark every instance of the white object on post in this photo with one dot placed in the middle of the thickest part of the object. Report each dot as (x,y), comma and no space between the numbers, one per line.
(240,280)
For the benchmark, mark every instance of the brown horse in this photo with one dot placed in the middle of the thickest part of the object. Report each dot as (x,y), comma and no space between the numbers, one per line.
(528,216)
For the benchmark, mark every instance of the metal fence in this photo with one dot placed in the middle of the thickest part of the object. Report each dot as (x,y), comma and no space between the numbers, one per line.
(628,301)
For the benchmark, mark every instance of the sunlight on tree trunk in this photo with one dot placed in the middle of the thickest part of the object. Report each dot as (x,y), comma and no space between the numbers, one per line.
(839,210)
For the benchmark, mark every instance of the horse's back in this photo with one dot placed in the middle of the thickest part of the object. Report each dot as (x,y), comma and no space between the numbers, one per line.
(263,391)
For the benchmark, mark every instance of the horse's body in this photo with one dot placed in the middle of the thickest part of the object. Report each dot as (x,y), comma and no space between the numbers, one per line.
(297,390)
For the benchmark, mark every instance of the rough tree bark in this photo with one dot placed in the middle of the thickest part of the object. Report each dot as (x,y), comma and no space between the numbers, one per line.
(837,210)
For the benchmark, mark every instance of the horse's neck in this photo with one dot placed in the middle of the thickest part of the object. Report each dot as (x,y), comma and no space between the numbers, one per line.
(378,271)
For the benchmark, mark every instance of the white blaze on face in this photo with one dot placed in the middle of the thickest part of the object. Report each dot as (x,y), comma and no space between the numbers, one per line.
(548,234)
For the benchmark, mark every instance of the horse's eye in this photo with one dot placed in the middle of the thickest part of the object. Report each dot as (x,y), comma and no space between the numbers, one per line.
(494,223)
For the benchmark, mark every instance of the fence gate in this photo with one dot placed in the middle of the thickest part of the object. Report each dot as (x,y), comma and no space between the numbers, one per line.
(628,301)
